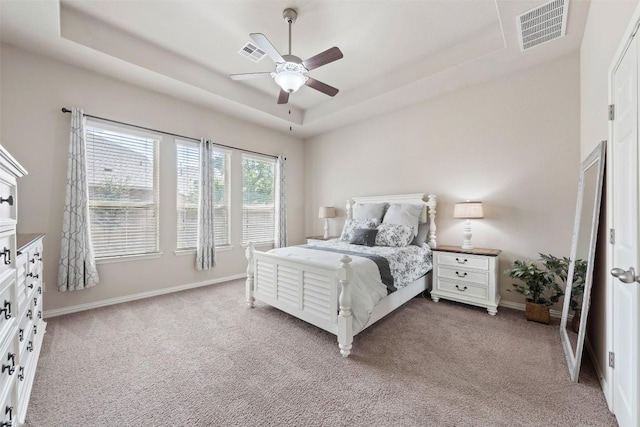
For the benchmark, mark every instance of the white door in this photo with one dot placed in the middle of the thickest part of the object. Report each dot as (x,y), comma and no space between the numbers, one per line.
(626,296)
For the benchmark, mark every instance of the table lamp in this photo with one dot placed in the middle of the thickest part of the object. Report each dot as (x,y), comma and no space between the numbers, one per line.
(326,212)
(467,210)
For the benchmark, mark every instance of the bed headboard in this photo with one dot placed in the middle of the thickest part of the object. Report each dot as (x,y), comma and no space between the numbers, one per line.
(428,210)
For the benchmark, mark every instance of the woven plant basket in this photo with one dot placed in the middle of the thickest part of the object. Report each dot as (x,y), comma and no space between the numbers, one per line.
(537,313)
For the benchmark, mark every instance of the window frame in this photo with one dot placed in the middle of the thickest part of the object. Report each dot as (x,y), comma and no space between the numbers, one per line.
(273,163)
(93,204)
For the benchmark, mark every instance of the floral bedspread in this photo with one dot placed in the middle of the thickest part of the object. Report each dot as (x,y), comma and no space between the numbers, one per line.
(406,264)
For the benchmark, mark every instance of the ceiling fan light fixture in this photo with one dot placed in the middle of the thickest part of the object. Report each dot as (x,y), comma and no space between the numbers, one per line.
(290,81)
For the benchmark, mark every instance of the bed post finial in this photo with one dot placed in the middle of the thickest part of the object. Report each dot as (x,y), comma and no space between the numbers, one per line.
(250,274)
(432,203)
(345,319)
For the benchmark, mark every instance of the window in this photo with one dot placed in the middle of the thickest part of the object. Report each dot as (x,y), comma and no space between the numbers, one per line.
(258,199)
(188,170)
(122,174)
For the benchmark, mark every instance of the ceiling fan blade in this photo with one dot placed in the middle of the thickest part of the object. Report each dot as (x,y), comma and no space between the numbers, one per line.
(247,76)
(322,87)
(284,97)
(322,58)
(263,42)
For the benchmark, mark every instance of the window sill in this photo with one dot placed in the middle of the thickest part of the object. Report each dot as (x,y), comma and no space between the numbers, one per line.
(127,258)
(270,245)
(181,252)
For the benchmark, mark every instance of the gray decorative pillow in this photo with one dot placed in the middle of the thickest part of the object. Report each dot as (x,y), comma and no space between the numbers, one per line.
(351,224)
(396,235)
(369,210)
(423,230)
(404,214)
(364,236)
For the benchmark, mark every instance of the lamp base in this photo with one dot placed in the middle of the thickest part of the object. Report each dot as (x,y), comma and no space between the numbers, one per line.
(466,236)
(326,228)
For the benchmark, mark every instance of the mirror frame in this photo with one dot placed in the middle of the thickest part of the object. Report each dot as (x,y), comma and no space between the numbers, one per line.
(595,159)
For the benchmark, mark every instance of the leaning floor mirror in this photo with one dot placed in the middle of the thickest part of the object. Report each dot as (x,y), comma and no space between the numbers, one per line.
(583,247)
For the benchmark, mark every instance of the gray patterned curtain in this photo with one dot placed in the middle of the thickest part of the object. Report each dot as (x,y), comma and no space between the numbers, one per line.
(77,269)
(281,204)
(206,246)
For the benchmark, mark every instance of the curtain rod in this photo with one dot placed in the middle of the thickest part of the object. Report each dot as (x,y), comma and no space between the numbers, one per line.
(66,110)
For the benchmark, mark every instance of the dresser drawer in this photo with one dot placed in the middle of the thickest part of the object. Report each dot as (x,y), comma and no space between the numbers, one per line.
(464,275)
(463,260)
(7,249)
(462,289)
(8,307)
(8,363)
(8,411)
(7,197)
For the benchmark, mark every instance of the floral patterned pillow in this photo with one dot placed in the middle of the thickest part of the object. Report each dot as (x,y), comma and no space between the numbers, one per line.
(394,235)
(350,226)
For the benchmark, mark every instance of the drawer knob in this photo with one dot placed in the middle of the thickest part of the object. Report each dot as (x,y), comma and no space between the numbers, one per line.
(461,275)
(6,309)
(461,260)
(7,200)
(461,289)
(6,253)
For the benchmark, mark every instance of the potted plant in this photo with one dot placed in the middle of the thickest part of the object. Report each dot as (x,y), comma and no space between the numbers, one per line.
(560,267)
(539,285)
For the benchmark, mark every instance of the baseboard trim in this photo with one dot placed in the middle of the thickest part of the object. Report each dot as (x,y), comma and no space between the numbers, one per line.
(603,382)
(520,306)
(134,297)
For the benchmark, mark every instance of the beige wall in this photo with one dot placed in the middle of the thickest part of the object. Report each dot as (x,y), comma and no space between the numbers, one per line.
(605,26)
(512,143)
(36,133)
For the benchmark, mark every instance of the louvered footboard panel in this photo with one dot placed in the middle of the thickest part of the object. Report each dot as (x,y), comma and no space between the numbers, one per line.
(288,285)
(265,282)
(317,296)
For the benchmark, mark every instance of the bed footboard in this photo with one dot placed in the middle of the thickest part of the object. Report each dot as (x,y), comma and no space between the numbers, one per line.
(306,290)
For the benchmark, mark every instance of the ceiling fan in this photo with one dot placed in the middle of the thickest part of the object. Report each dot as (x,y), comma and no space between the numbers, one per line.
(291,72)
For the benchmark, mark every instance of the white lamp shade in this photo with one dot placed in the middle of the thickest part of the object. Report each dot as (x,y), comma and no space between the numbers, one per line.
(327,212)
(468,210)
(290,81)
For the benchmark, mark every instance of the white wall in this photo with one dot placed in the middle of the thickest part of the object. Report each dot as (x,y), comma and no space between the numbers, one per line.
(35,131)
(512,143)
(605,26)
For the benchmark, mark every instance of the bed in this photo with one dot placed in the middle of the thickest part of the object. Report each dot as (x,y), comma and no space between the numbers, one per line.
(342,287)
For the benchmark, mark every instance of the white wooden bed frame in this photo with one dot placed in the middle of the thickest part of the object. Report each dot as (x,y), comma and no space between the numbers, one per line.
(309,291)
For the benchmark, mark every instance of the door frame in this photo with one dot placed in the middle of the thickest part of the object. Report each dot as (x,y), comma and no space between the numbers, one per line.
(628,35)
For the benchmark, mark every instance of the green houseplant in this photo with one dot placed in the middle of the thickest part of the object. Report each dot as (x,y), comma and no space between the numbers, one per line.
(539,285)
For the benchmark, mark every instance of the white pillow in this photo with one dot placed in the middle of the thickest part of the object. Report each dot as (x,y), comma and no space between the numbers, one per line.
(404,214)
(369,210)
(350,226)
(394,235)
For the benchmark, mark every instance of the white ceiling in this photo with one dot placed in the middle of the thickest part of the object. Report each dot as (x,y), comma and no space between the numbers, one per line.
(396,52)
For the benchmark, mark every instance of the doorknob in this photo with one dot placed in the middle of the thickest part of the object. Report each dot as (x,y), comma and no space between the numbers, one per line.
(625,276)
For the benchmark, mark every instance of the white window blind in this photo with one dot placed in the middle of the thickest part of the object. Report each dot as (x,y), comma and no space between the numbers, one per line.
(188,170)
(122,169)
(258,199)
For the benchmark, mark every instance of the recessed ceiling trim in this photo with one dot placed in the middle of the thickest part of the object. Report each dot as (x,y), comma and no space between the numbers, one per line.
(542,24)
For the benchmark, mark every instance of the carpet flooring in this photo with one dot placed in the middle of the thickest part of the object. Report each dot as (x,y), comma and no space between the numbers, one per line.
(203,358)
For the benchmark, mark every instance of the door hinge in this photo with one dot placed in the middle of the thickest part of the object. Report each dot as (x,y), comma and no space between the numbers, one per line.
(612,359)
(612,236)
(612,112)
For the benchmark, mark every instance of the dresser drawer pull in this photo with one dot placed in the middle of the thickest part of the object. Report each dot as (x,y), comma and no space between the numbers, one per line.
(39,314)
(30,346)
(8,200)
(30,314)
(21,373)
(463,261)
(6,310)
(461,275)
(30,286)
(40,290)
(8,410)
(6,252)
(10,368)
(35,302)
(35,329)
(21,335)
(35,276)
(461,289)
(32,260)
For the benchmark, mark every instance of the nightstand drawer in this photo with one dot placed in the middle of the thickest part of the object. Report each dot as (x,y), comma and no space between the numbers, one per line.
(463,260)
(464,275)
(463,289)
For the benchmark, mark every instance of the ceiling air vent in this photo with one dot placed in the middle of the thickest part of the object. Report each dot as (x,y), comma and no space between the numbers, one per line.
(542,24)
(252,52)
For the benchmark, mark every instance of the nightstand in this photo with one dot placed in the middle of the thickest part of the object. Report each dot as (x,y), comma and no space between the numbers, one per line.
(314,239)
(467,276)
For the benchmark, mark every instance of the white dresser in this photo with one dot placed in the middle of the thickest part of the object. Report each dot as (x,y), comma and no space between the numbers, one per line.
(470,277)
(21,287)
